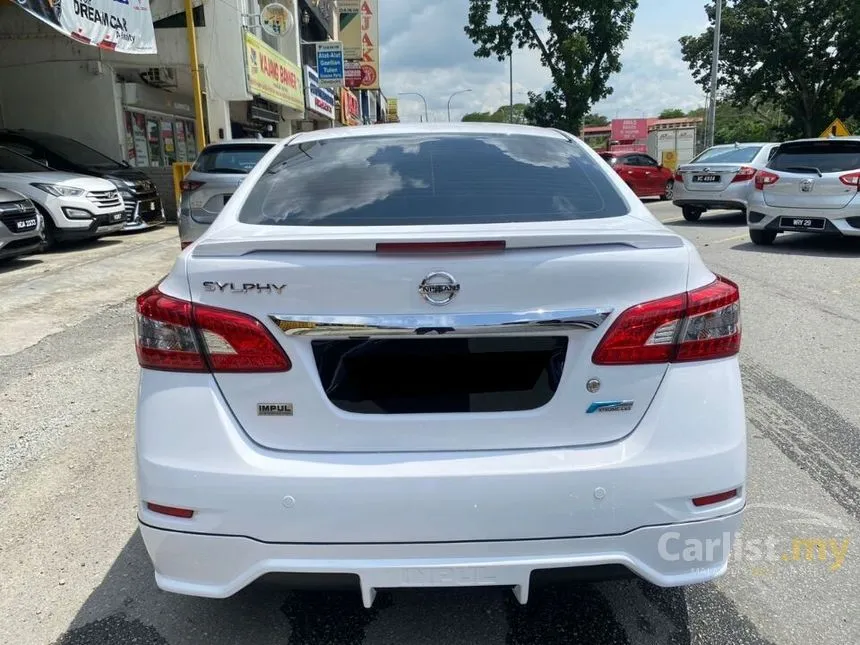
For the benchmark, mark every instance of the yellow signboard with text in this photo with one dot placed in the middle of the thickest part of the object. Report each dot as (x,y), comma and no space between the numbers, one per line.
(271,76)
(369,45)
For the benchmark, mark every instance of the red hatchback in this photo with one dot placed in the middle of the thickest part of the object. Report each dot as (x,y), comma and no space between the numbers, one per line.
(642,173)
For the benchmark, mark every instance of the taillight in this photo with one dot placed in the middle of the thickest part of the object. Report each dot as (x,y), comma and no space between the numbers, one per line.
(744,174)
(852,179)
(177,336)
(679,177)
(189,185)
(699,325)
(765,178)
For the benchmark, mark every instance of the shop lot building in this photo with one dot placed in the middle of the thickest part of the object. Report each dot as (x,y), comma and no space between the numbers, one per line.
(140,107)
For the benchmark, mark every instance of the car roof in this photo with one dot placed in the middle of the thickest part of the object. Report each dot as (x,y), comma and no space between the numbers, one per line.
(245,140)
(815,139)
(467,127)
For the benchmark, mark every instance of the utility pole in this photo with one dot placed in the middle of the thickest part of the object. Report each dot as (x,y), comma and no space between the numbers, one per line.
(199,129)
(715,63)
(511,61)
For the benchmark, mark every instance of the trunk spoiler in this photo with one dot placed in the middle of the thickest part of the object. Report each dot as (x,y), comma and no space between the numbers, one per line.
(367,242)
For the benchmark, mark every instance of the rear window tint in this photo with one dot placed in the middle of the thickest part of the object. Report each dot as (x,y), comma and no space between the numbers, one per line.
(825,156)
(744,154)
(233,159)
(398,180)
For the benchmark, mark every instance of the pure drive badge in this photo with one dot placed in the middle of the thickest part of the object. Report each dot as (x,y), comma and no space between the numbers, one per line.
(609,406)
(274,409)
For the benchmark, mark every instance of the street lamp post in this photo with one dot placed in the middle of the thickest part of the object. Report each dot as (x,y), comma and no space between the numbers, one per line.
(426,112)
(451,97)
(715,65)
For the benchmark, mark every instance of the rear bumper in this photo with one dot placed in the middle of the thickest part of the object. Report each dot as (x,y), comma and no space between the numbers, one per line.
(841,222)
(732,197)
(222,566)
(711,204)
(259,511)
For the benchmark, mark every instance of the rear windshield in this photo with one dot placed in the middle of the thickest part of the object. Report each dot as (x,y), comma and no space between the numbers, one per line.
(744,154)
(431,179)
(11,161)
(75,151)
(234,159)
(822,156)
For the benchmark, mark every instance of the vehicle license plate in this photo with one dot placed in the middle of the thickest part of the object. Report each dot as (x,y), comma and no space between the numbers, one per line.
(26,223)
(803,223)
(706,179)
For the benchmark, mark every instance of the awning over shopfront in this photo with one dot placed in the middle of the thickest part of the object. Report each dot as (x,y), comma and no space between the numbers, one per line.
(118,25)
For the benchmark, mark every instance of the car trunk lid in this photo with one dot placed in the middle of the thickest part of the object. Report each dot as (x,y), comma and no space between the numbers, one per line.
(504,364)
(709,177)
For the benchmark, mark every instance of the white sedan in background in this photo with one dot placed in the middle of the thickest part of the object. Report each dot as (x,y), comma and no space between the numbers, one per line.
(74,207)
(438,355)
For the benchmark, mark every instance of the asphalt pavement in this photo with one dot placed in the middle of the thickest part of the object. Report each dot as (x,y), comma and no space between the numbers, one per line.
(73,569)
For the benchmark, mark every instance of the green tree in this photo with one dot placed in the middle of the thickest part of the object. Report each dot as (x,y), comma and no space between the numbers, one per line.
(580,46)
(502,115)
(798,55)
(594,120)
(672,113)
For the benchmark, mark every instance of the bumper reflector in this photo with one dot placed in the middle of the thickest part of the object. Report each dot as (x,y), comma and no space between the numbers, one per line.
(172,511)
(708,500)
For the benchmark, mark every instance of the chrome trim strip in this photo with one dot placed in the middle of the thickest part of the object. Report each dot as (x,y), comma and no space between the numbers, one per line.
(528,322)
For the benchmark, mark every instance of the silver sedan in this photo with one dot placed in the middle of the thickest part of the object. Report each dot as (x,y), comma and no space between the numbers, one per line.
(721,177)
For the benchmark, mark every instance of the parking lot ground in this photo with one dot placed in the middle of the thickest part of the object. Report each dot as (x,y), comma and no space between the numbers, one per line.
(74,571)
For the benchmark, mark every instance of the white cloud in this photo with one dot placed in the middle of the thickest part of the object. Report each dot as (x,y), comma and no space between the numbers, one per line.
(425,50)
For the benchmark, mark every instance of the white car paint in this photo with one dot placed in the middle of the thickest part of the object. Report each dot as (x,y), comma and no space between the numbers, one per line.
(428,499)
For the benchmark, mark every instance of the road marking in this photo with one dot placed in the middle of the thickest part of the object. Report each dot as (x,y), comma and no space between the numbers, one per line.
(734,238)
(674,220)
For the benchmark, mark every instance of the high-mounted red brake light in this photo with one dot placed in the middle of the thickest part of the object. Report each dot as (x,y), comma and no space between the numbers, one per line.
(177,336)
(744,174)
(699,325)
(441,247)
(765,178)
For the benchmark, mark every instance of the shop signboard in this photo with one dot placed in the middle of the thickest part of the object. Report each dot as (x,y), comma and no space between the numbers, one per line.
(123,26)
(330,64)
(349,22)
(629,129)
(350,108)
(320,100)
(369,45)
(271,76)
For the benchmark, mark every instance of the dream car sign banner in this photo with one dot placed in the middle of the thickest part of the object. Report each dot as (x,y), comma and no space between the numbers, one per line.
(118,25)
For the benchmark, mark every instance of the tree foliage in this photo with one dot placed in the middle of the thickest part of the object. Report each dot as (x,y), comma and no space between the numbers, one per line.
(800,56)
(502,115)
(579,43)
(594,120)
(672,113)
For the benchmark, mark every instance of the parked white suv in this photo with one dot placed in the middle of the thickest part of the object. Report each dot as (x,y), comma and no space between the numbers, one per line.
(74,207)
(438,355)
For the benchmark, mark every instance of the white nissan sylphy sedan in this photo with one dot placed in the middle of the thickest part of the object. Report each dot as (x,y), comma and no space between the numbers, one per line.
(437,355)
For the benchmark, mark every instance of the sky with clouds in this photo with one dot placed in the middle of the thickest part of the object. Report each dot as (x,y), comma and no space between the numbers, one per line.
(425,50)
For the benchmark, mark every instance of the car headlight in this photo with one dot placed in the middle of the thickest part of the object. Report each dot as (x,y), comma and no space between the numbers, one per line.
(61,191)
